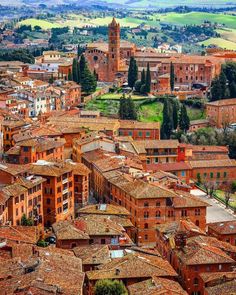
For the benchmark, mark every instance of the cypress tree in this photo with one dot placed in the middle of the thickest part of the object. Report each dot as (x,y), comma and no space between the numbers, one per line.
(215,89)
(175,114)
(70,76)
(167,124)
(223,85)
(148,80)
(143,77)
(75,70)
(88,81)
(79,51)
(232,89)
(184,121)
(82,65)
(172,77)
(132,114)
(132,72)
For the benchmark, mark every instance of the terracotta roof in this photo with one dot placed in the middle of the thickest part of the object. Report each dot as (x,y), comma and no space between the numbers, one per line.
(140,189)
(156,286)
(197,252)
(209,149)
(133,265)
(65,230)
(176,166)
(224,227)
(213,163)
(224,288)
(93,254)
(14,190)
(104,209)
(13,169)
(46,275)
(186,200)
(45,168)
(24,234)
(128,124)
(212,276)
(222,102)
(142,145)
(78,168)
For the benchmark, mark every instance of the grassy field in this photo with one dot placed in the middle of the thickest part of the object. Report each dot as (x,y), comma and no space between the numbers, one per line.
(220,42)
(228,34)
(45,25)
(220,194)
(148,112)
(117,96)
(196,18)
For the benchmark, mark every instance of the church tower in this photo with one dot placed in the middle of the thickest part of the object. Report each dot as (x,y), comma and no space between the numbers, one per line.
(113,49)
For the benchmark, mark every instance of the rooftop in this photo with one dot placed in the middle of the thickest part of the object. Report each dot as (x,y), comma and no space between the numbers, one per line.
(222,102)
(224,227)
(104,209)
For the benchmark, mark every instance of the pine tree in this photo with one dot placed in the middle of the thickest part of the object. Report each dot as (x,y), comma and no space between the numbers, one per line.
(132,72)
(75,70)
(172,77)
(184,121)
(148,80)
(167,124)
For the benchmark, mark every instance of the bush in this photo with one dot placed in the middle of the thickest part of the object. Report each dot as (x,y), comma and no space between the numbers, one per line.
(42,243)
(137,86)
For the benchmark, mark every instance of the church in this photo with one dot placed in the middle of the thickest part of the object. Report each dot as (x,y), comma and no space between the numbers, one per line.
(110,61)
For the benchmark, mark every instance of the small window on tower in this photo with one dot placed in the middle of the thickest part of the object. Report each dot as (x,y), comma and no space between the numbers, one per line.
(95,58)
(113,56)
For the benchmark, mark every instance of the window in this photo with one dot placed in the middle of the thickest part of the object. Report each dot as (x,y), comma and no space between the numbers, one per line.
(148,160)
(16,200)
(146,225)
(184,213)
(91,241)
(146,204)
(158,204)
(182,173)
(25,149)
(211,174)
(146,237)
(130,133)
(148,134)
(225,174)
(16,212)
(26,160)
(220,266)
(195,281)
(170,213)
(218,174)
(22,197)
(197,212)
(48,180)
(48,201)
(140,133)
(59,179)
(158,214)
(59,189)
(145,215)
(205,175)
(103,241)
(197,223)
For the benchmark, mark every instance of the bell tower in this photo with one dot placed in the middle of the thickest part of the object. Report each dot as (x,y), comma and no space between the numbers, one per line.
(113,49)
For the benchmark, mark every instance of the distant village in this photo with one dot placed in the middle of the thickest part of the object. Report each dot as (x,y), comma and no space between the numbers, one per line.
(89,201)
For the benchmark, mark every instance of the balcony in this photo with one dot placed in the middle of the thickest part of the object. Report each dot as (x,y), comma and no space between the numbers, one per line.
(64,180)
(65,202)
(65,191)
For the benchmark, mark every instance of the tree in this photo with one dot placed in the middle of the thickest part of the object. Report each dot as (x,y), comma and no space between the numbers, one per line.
(88,81)
(137,86)
(148,80)
(232,89)
(143,77)
(75,70)
(51,80)
(79,51)
(70,78)
(229,188)
(215,89)
(175,114)
(82,65)
(132,114)
(132,72)
(37,28)
(172,77)
(184,121)
(223,85)
(127,109)
(167,124)
(109,287)
(26,221)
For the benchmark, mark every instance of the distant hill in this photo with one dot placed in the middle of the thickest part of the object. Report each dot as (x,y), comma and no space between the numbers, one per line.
(127,3)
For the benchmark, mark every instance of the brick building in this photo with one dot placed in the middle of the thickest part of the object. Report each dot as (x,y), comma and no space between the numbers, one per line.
(223,231)
(221,113)
(32,150)
(192,253)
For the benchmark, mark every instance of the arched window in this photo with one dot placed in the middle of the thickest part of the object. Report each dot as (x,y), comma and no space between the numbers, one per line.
(145,215)
(158,214)
(195,281)
(146,225)
(197,222)
(146,204)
